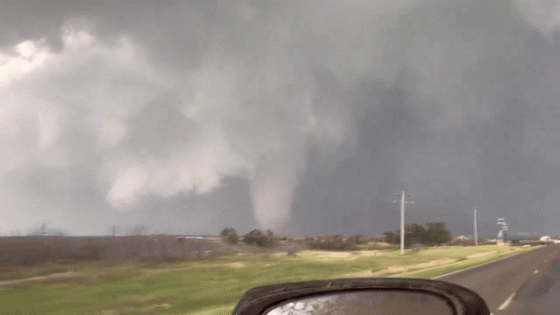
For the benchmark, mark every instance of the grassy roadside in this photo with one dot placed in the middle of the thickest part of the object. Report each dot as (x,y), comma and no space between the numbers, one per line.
(461,265)
(214,286)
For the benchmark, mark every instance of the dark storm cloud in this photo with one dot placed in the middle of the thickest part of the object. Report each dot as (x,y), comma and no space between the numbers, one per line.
(486,157)
(313,114)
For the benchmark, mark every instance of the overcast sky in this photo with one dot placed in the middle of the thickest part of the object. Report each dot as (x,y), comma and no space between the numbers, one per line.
(305,117)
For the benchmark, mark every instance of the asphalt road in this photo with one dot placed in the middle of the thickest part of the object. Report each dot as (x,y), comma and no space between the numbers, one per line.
(527,283)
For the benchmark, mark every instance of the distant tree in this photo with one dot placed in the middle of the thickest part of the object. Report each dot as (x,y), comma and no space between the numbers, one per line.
(269,233)
(357,239)
(226,232)
(229,235)
(233,239)
(390,237)
(415,234)
(258,238)
(437,234)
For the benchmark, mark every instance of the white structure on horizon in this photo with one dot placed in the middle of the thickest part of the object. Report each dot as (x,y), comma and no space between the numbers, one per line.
(549,239)
(503,231)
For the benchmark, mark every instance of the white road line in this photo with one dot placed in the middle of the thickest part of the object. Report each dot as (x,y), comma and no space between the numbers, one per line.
(506,302)
(534,272)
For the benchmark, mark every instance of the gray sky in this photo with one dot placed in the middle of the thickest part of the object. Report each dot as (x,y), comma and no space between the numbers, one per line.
(305,117)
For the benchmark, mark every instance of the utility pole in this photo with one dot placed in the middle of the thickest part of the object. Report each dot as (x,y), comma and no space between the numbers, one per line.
(403,196)
(403,203)
(475,230)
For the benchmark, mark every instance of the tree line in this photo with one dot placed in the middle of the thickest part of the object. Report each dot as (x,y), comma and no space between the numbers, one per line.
(434,234)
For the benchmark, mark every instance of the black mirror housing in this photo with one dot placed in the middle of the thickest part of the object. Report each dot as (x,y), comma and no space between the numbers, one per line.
(258,300)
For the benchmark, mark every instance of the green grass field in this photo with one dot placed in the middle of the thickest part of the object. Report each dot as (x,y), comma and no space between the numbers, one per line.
(212,286)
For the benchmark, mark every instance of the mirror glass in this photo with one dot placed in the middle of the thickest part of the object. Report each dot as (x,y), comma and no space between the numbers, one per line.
(367,302)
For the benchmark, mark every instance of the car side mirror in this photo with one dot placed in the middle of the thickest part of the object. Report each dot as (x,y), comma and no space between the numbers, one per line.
(362,296)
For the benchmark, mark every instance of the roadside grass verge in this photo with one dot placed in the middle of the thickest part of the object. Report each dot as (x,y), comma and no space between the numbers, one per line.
(460,265)
(211,286)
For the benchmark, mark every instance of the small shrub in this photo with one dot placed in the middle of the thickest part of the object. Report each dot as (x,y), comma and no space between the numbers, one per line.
(232,239)
(258,238)
(230,236)
(357,239)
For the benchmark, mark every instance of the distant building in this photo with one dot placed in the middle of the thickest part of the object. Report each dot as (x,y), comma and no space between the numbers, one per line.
(462,238)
